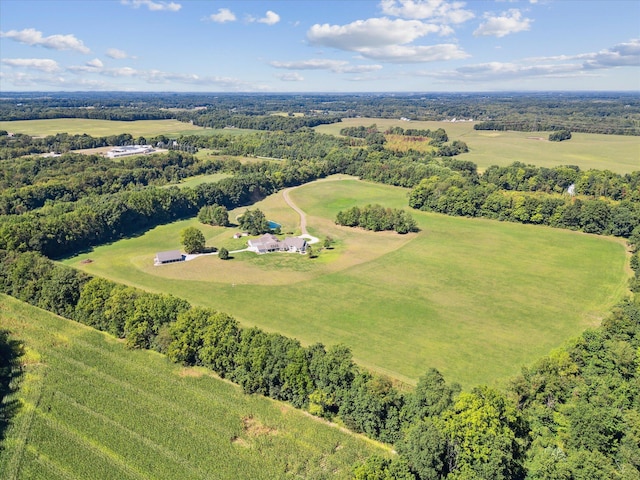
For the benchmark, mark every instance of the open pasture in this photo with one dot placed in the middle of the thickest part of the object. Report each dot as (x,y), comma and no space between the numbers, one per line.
(475,298)
(92,409)
(100,128)
(618,153)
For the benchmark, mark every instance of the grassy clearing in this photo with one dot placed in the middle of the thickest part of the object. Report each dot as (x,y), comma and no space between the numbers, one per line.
(474,298)
(90,408)
(100,128)
(199,179)
(618,153)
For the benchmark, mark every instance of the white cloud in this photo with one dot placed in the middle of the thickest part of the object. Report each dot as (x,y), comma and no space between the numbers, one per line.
(95,63)
(33,37)
(153,6)
(336,66)
(224,15)
(270,18)
(291,77)
(117,54)
(561,66)
(371,33)
(42,64)
(505,24)
(621,55)
(438,10)
(415,53)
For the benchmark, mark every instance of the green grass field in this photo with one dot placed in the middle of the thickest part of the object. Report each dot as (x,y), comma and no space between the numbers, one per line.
(199,179)
(92,409)
(100,128)
(474,298)
(618,153)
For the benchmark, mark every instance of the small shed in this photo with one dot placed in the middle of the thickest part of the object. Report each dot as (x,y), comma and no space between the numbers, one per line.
(168,257)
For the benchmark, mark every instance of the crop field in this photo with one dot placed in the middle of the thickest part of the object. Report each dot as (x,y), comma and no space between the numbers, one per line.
(99,128)
(475,298)
(91,409)
(618,153)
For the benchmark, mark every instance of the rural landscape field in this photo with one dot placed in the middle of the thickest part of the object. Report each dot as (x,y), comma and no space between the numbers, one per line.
(511,299)
(400,302)
(359,240)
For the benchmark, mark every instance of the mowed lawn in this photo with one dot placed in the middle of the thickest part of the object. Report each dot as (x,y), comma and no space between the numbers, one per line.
(99,128)
(475,298)
(618,153)
(89,408)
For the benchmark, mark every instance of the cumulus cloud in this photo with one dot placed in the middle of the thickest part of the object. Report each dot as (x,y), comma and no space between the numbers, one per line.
(438,10)
(42,64)
(117,54)
(373,32)
(153,6)
(270,18)
(95,63)
(92,66)
(33,37)
(224,15)
(384,39)
(415,53)
(507,23)
(336,66)
(621,55)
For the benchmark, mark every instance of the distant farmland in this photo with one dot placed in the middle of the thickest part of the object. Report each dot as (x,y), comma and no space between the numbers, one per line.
(618,153)
(99,128)
(89,408)
(475,298)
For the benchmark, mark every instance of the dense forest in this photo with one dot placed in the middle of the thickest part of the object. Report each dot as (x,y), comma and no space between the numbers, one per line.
(571,415)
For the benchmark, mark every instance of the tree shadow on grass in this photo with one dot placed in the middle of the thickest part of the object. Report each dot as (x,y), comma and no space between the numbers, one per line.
(10,371)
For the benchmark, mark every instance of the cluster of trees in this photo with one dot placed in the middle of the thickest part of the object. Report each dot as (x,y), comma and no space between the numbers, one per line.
(216,215)
(439,136)
(560,136)
(377,218)
(254,222)
(571,415)
(30,183)
(608,203)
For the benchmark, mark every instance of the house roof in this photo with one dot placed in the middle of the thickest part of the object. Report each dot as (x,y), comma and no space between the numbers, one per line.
(169,256)
(296,242)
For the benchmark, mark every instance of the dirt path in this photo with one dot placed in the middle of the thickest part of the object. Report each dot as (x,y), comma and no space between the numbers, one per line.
(303,216)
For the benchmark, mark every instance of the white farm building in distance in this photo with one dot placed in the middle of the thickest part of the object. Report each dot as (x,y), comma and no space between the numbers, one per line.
(127,150)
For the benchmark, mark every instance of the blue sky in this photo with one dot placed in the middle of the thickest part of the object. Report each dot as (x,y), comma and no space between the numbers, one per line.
(319,46)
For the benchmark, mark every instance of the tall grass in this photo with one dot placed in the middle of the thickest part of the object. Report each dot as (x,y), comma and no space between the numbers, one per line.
(93,409)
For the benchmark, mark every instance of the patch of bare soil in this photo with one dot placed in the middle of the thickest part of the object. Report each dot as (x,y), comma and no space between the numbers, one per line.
(256,429)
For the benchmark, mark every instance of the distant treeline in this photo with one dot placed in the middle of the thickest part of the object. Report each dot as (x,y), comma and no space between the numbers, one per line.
(609,203)
(597,112)
(566,124)
(19,145)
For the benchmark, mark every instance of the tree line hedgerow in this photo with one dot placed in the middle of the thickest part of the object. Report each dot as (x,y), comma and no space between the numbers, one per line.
(377,218)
